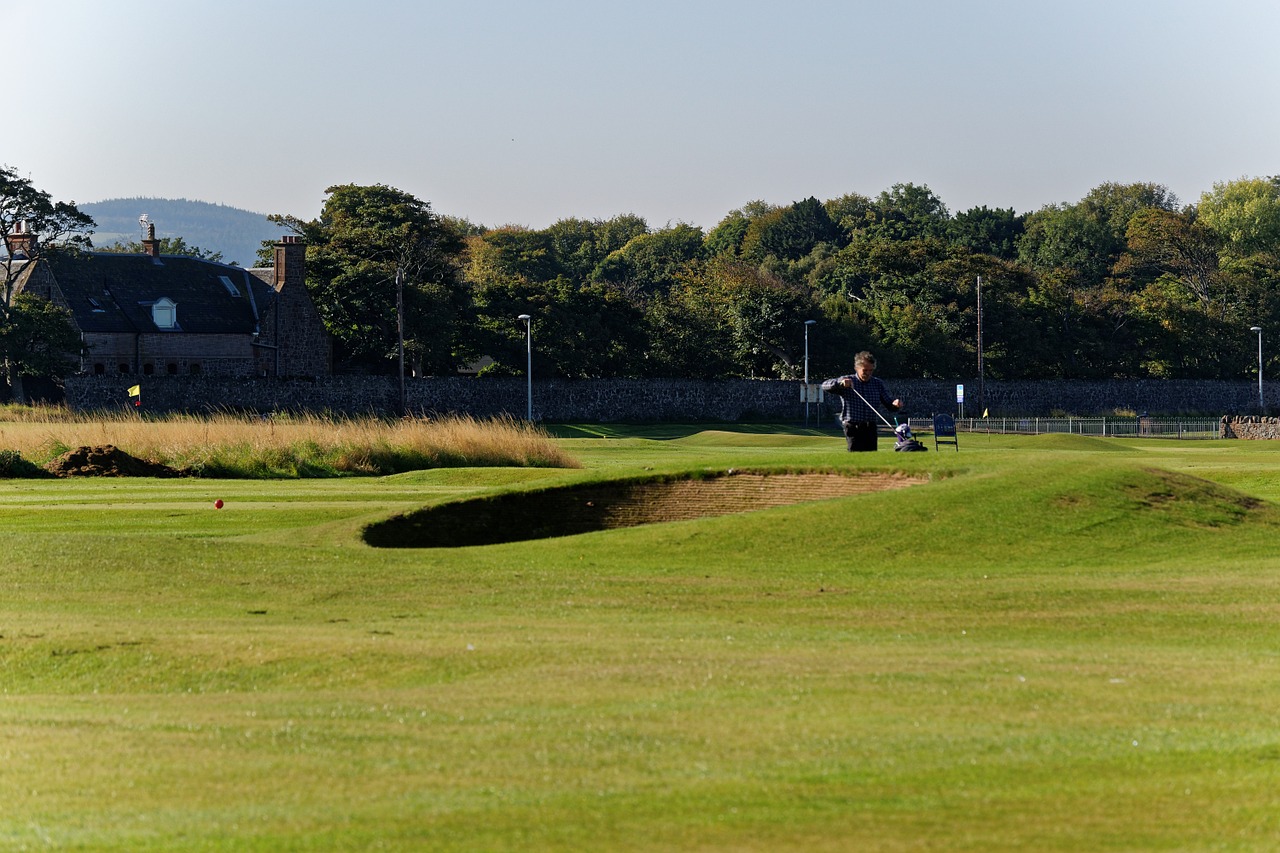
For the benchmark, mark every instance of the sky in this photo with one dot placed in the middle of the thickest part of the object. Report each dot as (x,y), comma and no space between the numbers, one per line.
(525,113)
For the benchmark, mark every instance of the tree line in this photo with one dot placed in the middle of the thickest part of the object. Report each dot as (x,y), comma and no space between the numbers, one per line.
(1124,283)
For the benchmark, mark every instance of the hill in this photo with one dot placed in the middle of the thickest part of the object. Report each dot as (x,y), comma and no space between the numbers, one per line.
(236,233)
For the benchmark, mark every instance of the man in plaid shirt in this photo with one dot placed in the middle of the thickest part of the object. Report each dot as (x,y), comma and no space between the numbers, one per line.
(856,415)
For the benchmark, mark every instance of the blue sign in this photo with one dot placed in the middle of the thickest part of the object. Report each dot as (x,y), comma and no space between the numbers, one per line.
(959,393)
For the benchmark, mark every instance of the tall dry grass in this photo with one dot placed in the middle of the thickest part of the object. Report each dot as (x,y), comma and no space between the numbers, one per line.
(228,445)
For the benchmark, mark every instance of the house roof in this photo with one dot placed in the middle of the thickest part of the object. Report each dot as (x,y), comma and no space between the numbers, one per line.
(109,292)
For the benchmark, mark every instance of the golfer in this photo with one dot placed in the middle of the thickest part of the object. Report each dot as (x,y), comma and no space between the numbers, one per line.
(858,393)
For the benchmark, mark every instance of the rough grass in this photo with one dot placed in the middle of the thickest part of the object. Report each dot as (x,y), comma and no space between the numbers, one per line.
(1041,649)
(289,446)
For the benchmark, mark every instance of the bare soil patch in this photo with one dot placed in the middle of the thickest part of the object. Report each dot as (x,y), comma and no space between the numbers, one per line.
(106,460)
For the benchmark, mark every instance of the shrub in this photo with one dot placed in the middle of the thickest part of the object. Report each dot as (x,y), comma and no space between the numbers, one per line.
(13,466)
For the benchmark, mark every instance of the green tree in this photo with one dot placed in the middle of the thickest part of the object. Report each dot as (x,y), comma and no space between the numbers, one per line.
(762,316)
(867,269)
(1086,331)
(463,227)
(688,336)
(917,299)
(649,263)
(1089,236)
(1179,247)
(726,238)
(369,245)
(789,233)
(1245,214)
(511,252)
(850,212)
(39,339)
(572,248)
(612,234)
(579,332)
(578,246)
(1117,203)
(1195,295)
(1069,237)
(906,212)
(989,232)
(31,223)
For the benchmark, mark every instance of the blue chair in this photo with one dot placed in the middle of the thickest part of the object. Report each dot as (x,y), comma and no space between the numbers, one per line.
(944,431)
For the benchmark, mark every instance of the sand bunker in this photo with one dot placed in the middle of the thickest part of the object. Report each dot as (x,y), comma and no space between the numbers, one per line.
(605,506)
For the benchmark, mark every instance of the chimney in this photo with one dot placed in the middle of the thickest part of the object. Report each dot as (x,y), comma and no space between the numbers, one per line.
(151,245)
(20,242)
(290,262)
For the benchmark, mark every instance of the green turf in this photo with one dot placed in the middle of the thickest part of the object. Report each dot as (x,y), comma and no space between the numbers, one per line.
(1058,643)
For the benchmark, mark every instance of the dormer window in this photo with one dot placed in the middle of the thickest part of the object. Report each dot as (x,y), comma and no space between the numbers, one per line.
(164,313)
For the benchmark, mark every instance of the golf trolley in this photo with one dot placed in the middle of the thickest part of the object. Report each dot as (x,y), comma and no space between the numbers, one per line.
(904,441)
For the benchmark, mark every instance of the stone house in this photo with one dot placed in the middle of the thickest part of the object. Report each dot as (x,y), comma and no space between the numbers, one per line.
(153,314)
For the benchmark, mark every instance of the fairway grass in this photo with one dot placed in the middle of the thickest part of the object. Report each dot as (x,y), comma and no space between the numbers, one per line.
(1057,643)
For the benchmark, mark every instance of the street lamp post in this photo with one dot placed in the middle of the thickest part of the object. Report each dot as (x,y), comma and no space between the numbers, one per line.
(528,363)
(404,408)
(1258,331)
(807,324)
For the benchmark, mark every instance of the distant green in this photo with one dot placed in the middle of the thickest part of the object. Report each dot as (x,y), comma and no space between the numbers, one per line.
(1058,643)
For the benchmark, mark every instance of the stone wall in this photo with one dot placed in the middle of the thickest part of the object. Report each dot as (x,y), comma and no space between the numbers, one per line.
(164,353)
(1091,398)
(669,400)
(1250,426)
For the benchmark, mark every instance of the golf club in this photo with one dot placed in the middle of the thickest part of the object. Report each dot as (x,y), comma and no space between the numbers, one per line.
(871,407)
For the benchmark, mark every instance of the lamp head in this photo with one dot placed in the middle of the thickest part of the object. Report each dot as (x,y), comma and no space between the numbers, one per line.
(1255,329)
(524,317)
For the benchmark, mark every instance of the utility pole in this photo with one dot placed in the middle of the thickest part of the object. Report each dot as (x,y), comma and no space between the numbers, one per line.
(400,335)
(982,387)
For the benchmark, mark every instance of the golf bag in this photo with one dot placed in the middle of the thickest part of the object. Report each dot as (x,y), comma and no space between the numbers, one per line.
(906,442)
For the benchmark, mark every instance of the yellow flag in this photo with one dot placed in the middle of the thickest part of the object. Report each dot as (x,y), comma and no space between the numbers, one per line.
(986,413)
(135,391)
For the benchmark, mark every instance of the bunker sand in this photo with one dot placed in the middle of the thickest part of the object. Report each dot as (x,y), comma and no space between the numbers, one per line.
(572,510)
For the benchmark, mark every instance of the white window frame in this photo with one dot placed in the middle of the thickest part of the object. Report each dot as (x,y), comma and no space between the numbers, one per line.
(164,313)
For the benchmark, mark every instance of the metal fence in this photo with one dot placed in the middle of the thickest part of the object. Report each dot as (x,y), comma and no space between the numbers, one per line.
(1118,427)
